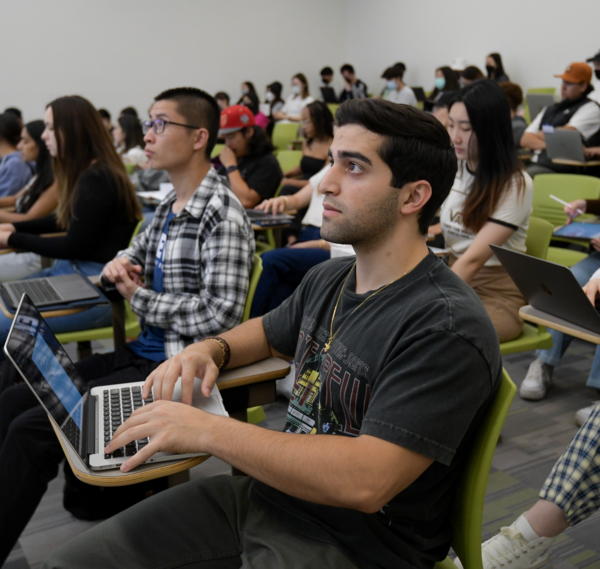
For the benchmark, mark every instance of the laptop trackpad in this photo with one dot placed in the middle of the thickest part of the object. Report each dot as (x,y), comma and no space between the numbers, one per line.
(74,288)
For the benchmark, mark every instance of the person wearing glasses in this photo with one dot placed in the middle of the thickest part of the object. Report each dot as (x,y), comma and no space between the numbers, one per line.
(181,301)
(247,160)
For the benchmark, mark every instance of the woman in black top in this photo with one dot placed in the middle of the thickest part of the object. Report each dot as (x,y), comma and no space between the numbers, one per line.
(495,69)
(317,125)
(97,206)
(37,199)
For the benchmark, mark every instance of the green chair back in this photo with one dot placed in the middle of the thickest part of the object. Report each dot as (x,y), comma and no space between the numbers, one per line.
(539,235)
(129,168)
(289,159)
(567,187)
(333,107)
(217,150)
(542,91)
(466,512)
(283,134)
(257,268)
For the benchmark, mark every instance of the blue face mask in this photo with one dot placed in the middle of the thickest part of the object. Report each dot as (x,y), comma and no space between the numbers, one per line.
(391,85)
(440,83)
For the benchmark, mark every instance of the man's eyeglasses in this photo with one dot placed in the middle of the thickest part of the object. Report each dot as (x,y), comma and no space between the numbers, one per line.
(158,125)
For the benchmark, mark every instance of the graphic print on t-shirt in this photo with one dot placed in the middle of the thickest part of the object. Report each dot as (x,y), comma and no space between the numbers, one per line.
(331,392)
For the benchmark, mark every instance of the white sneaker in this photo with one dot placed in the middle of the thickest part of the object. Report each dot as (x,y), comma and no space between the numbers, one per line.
(517,547)
(583,414)
(537,380)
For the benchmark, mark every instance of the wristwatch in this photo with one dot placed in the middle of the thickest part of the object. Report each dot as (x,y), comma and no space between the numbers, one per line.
(231,169)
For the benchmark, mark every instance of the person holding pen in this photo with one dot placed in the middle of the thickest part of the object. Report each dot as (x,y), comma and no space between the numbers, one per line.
(539,376)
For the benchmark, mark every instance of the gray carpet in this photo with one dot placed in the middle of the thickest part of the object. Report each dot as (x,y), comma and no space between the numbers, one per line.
(534,436)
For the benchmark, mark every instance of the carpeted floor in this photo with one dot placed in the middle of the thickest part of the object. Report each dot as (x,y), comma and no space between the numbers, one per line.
(534,436)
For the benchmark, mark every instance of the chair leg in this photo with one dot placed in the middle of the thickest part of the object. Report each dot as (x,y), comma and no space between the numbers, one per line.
(84,350)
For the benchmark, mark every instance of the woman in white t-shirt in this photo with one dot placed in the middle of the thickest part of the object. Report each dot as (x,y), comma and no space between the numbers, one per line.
(300,97)
(490,201)
(129,141)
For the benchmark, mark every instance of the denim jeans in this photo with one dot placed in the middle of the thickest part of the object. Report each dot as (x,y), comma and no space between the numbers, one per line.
(283,270)
(560,342)
(97,317)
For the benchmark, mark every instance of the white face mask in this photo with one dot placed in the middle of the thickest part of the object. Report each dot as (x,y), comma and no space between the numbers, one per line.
(269,96)
(296,89)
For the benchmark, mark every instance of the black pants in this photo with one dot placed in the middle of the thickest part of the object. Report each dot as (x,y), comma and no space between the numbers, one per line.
(30,453)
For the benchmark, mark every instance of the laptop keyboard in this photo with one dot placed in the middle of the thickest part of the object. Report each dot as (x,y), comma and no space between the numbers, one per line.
(119,404)
(39,291)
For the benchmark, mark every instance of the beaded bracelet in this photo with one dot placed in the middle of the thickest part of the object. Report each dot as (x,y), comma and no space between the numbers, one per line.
(225,350)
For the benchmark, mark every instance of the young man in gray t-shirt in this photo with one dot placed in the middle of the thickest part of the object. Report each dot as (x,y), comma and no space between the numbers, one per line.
(396,363)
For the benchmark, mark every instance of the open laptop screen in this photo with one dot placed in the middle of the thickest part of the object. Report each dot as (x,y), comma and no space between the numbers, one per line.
(47,368)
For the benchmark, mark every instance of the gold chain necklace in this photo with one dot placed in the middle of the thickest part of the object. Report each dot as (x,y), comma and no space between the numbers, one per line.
(331,334)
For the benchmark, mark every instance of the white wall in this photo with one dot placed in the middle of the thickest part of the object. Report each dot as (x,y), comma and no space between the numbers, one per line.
(536,38)
(124,52)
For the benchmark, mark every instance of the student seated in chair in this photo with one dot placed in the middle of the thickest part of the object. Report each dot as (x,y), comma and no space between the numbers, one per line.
(247,159)
(576,111)
(14,171)
(490,201)
(196,256)
(37,199)
(97,207)
(397,362)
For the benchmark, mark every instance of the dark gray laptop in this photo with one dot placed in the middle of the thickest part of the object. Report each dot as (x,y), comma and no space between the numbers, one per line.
(564,144)
(263,218)
(419,94)
(537,102)
(50,290)
(550,288)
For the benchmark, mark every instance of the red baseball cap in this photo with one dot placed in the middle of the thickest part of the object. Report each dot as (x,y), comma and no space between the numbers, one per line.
(235,118)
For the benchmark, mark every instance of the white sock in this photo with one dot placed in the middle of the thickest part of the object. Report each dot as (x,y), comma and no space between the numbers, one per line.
(525,529)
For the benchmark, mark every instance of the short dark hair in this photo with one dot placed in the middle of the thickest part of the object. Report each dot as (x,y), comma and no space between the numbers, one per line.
(10,128)
(514,94)
(393,72)
(415,146)
(259,143)
(129,111)
(326,71)
(347,67)
(104,114)
(198,108)
(472,73)
(14,111)
(222,96)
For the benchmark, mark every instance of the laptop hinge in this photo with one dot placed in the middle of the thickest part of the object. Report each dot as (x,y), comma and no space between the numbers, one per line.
(90,410)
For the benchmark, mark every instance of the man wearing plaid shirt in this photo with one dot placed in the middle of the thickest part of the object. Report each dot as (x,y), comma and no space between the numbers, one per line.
(196,257)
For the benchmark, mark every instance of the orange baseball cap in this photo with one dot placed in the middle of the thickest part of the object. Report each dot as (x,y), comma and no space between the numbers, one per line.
(577,73)
(235,118)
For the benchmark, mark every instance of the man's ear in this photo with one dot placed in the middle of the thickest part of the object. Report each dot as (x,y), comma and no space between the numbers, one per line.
(201,139)
(414,196)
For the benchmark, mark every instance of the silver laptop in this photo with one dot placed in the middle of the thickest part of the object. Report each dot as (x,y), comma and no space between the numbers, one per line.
(537,102)
(550,288)
(564,144)
(89,421)
(50,290)
(263,218)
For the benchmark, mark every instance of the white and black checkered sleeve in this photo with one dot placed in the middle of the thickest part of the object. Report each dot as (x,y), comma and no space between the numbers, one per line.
(225,266)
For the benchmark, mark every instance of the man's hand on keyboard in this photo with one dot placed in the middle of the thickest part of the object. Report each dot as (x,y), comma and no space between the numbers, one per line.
(173,427)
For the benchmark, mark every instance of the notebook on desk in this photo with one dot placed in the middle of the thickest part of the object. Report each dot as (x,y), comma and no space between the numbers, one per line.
(550,288)
(48,291)
(89,421)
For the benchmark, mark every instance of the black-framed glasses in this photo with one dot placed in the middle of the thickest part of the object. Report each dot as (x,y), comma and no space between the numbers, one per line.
(158,125)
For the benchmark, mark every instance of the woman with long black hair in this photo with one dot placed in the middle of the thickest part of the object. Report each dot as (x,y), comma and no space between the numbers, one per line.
(97,206)
(495,68)
(490,201)
(37,199)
